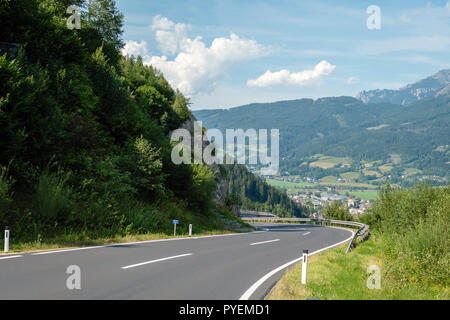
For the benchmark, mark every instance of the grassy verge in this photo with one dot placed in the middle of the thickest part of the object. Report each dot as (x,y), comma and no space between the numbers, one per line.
(226,223)
(72,241)
(335,275)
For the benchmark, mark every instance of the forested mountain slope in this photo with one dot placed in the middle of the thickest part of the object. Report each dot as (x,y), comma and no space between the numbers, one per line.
(85,149)
(255,194)
(346,127)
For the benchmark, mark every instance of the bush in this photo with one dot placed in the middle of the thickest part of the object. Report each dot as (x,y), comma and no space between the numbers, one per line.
(337,211)
(414,226)
(203,187)
(149,163)
(52,198)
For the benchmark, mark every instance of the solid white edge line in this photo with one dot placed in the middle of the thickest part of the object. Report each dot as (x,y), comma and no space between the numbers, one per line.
(157,260)
(146,241)
(268,241)
(10,257)
(247,294)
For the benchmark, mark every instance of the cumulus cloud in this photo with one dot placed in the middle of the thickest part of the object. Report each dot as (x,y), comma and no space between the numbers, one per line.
(171,37)
(134,48)
(285,77)
(196,67)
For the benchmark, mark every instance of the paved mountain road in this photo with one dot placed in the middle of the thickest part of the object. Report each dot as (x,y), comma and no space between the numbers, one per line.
(215,267)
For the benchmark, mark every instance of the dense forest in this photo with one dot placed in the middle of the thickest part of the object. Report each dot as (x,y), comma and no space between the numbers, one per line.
(85,147)
(254,194)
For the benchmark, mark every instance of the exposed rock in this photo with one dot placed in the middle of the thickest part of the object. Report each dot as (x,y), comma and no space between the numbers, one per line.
(432,86)
(222,183)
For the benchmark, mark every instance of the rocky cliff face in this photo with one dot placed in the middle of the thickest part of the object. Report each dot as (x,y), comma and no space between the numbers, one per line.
(222,191)
(432,86)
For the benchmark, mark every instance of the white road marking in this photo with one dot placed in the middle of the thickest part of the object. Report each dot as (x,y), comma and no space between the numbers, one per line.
(10,257)
(306,233)
(157,260)
(256,243)
(142,242)
(247,294)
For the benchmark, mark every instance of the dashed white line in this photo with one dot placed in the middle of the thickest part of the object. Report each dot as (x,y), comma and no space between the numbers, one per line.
(145,241)
(10,257)
(157,260)
(256,243)
(306,233)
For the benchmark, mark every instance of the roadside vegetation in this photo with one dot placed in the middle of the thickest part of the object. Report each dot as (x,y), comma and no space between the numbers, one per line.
(409,243)
(85,151)
(337,211)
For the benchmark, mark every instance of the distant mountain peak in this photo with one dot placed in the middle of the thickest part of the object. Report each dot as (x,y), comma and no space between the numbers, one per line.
(432,86)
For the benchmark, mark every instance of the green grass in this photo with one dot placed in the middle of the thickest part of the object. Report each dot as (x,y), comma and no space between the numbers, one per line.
(412,171)
(329,179)
(326,162)
(348,184)
(371,173)
(335,275)
(385,168)
(365,195)
(73,241)
(287,184)
(352,175)
(221,222)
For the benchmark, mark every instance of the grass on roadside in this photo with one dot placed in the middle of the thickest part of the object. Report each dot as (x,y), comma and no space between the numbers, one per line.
(227,224)
(335,275)
(72,241)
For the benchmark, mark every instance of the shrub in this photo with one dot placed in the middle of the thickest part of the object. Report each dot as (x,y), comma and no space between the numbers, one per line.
(414,226)
(337,211)
(150,165)
(52,198)
(203,187)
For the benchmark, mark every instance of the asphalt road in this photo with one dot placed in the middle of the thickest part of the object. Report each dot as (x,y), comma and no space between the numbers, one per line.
(217,267)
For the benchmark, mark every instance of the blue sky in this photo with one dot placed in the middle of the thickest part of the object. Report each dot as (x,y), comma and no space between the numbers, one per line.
(228,53)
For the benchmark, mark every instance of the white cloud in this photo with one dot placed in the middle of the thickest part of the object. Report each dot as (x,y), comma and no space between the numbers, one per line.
(285,77)
(447,5)
(352,80)
(196,67)
(134,48)
(171,37)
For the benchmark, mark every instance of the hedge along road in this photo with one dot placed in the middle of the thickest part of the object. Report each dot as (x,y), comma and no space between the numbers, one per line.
(237,266)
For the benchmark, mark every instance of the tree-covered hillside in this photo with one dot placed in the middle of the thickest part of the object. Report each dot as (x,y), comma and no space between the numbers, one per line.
(346,127)
(84,143)
(254,194)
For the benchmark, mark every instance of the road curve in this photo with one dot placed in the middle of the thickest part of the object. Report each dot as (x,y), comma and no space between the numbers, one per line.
(227,267)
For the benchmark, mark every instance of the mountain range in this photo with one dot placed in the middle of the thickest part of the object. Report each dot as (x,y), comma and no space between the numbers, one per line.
(415,134)
(432,86)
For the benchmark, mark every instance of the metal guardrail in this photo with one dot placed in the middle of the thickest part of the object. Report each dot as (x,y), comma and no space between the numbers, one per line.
(362,233)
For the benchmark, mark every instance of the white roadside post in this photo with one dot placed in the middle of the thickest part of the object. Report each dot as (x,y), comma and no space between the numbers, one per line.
(6,239)
(190,229)
(304,266)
